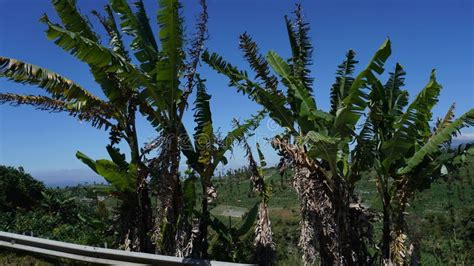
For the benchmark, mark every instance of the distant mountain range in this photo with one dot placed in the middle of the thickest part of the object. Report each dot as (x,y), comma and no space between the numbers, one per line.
(72,177)
(67,177)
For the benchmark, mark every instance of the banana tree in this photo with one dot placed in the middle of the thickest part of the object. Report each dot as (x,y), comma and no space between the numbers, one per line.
(174,76)
(315,143)
(122,177)
(153,88)
(228,244)
(264,245)
(406,153)
(207,153)
(116,114)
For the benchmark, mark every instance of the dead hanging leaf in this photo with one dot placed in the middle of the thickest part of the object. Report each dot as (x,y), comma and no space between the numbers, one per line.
(398,248)
(211,193)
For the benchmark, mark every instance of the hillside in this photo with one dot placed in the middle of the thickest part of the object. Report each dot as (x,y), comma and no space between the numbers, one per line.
(439,217)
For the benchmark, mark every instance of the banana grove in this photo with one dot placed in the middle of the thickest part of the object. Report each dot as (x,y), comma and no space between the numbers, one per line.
(371,126)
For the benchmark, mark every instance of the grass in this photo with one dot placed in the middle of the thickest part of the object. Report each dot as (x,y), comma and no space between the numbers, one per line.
(232,211)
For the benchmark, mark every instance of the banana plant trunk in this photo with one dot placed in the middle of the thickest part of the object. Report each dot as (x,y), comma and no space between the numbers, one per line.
(332,225)
(386,237)
(144,213)
(138,233)
(171,199)
(135,219)
(201,244)
(203,232)
(126,228)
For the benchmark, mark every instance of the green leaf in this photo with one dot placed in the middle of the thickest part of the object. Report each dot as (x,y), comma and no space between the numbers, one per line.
(323,146)
(279,66)
(317,137)
(413,125)
(90,221)
(96,115)
(273,102)
(86,160)
(299,96)
(77,24)
(59,86)
(305,104)
(302,53)
(352,106)
(364,155)
(187,147)
(115,36)
(237,134)
(73,20)
(221,230)
(448,119)
(340,88)
(122,180)
(137,25)
(261,157)
(442,136)
(248,221)
(189,196)
(397,98)
(295,51)
(257,62)
(117,157)
(204,132)
(98,57)
(168,69)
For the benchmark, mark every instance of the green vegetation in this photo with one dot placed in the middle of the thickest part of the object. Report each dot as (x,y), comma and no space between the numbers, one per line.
(370,127)
(76,214)
(18,189)
(351,179)
(439,218)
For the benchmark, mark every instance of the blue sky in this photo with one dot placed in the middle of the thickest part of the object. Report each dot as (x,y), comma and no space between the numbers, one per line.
(424,34)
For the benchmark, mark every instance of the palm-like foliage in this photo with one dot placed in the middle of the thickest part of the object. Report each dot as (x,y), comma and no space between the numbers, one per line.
(109,70)
(154,78)
(398,142)
(152,88)
(204,157)
(395,139)
(97,116)
(316,142)
(344,80)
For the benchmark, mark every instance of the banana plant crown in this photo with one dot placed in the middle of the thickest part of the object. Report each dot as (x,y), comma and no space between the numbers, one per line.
(151,75)
(327,136)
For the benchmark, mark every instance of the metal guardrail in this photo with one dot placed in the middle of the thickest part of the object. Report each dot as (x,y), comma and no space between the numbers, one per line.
(90,254)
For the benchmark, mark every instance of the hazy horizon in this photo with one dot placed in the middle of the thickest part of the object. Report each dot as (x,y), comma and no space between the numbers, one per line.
(424,35)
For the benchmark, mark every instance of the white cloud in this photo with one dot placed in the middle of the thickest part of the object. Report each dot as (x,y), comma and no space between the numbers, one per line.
(465,137)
